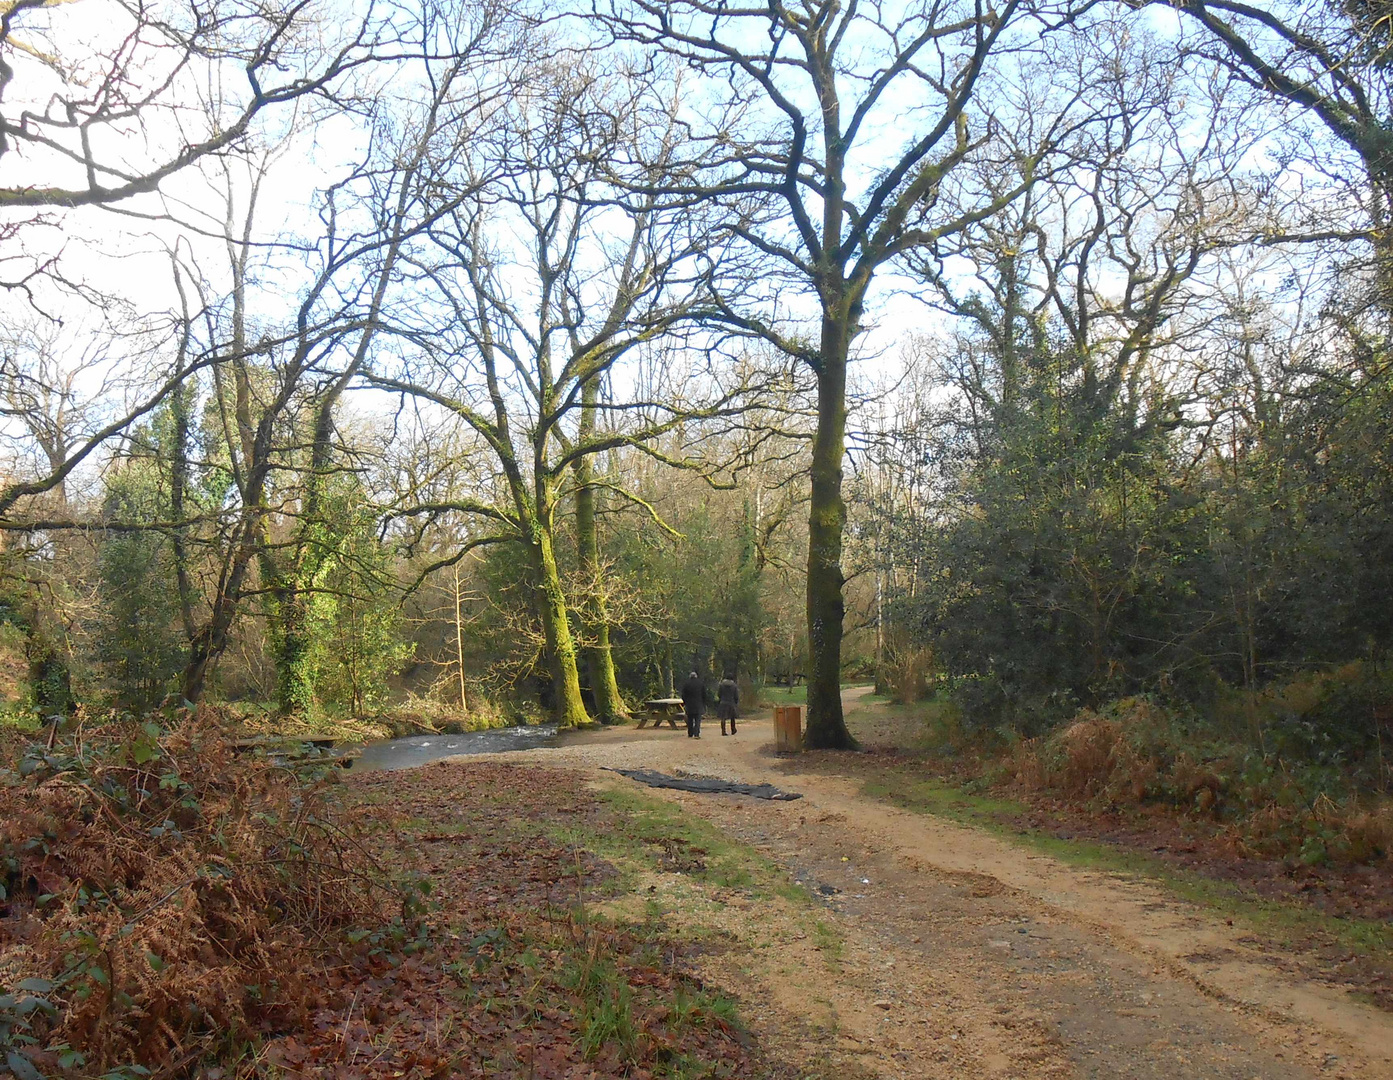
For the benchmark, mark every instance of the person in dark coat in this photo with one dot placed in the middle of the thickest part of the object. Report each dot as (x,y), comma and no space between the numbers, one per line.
(693,698)
(727,702)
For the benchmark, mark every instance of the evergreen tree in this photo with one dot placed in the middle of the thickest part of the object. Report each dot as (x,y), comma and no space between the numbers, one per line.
(138,643)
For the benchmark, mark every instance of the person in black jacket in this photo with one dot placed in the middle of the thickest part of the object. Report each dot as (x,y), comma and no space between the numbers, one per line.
(727,702)
(693,698)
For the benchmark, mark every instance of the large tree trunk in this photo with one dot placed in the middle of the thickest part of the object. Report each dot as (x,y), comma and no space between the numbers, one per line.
(599,660)
(827,515)
(315,538)
(292,649)
(178,485)
(568,706)
(205,648)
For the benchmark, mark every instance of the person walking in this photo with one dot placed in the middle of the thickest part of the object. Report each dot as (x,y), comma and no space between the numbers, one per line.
(727,702)
(693,698)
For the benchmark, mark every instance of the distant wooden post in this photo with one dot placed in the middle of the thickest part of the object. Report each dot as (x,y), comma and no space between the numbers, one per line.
(788,729)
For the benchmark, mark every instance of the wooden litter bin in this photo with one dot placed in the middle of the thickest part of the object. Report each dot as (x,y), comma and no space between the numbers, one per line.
(788,729)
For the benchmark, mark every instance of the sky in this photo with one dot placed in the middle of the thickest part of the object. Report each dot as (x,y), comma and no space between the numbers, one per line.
(125,254)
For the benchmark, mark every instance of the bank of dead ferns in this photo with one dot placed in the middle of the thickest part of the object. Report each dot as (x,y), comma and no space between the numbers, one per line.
(164,897)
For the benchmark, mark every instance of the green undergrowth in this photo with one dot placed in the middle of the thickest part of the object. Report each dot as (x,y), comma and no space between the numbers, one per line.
(559,930)
(798,695)
(19,720)
(607,1017)
(648,834)
(645,834)
(1283,922)
(783,695)
(674,873)
(411,718)
(1288,783)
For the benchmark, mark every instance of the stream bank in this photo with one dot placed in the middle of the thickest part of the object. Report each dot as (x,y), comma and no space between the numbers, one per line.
(413,751)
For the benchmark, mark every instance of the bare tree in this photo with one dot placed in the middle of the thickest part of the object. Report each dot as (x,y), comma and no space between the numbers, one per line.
(103,107)
(52,396)
(268,391)
(94,105)
(544,284)
(1331,60)
(837,133)
(1114,259)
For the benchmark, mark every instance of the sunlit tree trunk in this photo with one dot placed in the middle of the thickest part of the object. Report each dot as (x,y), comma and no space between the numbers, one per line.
(569,707)
(459,641)
(599,660)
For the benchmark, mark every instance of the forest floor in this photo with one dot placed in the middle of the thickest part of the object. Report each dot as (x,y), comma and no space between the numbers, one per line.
(861,939)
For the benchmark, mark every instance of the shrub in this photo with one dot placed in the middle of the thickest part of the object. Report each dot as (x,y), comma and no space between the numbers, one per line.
(1137,752)
(906,674)
(165,899)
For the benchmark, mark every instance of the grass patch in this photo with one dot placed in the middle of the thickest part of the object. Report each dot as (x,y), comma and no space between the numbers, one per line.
(649,821)
(698,1008)
(932,726)
(798,695)
(784,695)
(932,796)
(547,957)
(23,721)
(647,828)
(607,1016)
(829,942)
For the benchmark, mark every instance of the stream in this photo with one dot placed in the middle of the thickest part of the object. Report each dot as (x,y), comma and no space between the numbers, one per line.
(414,750)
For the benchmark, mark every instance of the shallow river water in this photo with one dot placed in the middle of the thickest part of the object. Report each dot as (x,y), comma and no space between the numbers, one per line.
(413,750)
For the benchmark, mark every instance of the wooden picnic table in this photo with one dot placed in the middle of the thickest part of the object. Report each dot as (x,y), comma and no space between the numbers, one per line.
(660,709)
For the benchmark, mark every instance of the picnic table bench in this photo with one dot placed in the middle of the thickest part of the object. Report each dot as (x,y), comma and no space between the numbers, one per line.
(660,709)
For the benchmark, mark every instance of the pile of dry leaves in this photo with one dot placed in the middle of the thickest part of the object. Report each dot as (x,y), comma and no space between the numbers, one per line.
(517,976)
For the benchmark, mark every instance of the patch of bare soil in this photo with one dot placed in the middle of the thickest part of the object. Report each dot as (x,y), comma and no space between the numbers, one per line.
(953,973)
(1188,844)
(1193,847)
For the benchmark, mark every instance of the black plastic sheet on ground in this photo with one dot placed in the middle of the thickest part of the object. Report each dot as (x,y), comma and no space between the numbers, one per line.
(706,785)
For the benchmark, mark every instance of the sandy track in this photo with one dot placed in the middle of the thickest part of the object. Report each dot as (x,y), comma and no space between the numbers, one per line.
(967,955)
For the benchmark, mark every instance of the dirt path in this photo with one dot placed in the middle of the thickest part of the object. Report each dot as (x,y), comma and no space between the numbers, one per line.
(952,952)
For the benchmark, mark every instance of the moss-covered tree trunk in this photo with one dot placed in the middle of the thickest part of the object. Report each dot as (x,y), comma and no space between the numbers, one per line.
(599,659)
(316,540)
(568,706)
(291,635)
(292,654)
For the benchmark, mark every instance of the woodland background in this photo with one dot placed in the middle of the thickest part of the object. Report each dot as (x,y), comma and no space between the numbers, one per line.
(373,360)
(371,366)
